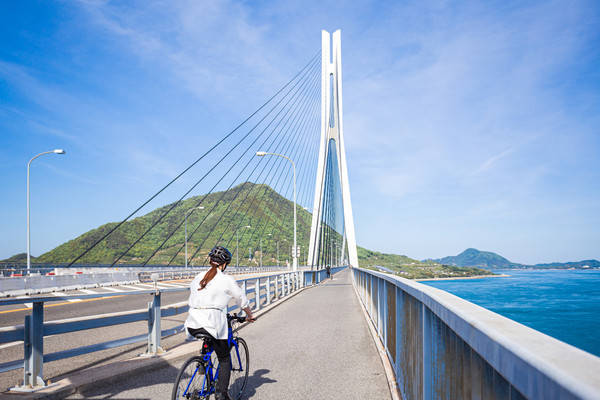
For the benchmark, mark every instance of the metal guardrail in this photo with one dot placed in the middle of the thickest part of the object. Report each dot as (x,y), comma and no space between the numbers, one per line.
(146,276)
(264,289)
(441,346)
(38,284)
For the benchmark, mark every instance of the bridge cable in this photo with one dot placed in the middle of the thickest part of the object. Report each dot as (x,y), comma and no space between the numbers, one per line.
(201,179)
(195,162)
(228,171)
(239,192)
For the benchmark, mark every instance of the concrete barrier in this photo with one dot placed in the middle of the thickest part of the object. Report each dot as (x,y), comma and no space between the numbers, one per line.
(442,346)
(36,284)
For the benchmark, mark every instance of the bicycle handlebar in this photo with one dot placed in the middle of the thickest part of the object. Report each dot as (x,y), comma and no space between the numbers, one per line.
(235,317)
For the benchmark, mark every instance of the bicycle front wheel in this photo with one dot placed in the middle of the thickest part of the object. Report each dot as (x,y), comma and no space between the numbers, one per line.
(240,362)
(191,382)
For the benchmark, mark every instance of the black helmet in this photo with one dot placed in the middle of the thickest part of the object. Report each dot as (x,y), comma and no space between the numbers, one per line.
(220,255)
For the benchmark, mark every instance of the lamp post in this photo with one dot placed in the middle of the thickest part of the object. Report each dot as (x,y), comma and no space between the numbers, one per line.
(262,154)
(56,151)
(188,212)
(261,251)
(237,242)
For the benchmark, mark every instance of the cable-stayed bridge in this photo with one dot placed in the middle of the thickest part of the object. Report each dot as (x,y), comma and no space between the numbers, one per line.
(275,190)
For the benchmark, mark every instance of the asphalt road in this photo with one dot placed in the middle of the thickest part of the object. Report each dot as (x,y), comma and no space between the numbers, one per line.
(315,345)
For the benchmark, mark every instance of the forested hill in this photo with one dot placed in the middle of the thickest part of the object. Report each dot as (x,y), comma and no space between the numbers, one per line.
(487,259)
(268,213)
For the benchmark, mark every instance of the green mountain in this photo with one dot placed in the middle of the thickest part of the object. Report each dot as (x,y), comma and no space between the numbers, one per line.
(246,204)
(476,258)
(410,268)
(267,213)
(18,259)
(584,264)
(486,259)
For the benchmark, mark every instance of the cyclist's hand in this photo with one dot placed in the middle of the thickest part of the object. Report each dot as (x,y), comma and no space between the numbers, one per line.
(250,318)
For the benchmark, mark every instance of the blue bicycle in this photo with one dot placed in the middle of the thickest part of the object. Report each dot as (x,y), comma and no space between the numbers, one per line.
(197,377)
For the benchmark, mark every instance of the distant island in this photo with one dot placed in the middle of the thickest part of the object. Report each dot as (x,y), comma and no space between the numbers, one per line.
(267,207)
(489,260)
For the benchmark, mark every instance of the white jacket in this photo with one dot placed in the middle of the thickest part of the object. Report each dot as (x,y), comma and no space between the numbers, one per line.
(208,307)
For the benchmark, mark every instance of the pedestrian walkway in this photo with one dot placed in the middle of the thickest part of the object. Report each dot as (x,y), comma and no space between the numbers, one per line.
(316,345)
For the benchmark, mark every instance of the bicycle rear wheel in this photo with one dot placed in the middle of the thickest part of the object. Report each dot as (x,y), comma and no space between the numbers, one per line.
(191,383)
(240,361)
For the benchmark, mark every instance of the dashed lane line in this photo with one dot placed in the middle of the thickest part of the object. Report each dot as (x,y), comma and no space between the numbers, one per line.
(112,289)
(63,304)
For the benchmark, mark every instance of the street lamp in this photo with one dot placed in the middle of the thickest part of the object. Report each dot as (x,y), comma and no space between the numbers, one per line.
(188,212)
(262,154)
(237,242)
(261,251)
(56,151)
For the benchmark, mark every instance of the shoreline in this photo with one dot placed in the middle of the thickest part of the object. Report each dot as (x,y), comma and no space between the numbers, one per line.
(456,278)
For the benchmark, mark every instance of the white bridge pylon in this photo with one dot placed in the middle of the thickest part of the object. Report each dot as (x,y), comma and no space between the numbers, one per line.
(332,131)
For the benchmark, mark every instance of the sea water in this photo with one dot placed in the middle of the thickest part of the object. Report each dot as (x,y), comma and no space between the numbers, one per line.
(559,303)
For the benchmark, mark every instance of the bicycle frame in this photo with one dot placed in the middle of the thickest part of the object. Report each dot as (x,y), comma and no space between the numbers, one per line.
(208,387)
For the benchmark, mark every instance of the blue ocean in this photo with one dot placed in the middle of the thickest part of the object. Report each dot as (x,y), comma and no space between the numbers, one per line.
(562,304)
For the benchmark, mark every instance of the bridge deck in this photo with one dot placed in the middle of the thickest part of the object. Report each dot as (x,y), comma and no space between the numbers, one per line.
(315,345)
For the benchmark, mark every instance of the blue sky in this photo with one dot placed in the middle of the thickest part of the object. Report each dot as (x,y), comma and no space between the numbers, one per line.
(468,124)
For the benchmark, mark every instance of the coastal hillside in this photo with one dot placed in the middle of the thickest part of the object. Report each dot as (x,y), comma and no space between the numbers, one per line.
(259,207)
(476,258)
(413,269)
(247,204)
(489,260)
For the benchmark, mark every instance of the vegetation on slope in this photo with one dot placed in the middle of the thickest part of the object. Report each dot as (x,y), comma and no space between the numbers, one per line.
(268,213)
(413,269)
(259,207)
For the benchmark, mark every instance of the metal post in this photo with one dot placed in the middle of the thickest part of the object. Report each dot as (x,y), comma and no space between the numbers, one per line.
(268,290)
(57,151)
(278,253)
(34,347)
(186,254)
(154,328)
(27,381)
(260,244)
(257,293)
(276,287)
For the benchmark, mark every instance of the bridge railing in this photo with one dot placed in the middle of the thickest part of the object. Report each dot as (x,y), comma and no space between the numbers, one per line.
(261,291)
(443,347)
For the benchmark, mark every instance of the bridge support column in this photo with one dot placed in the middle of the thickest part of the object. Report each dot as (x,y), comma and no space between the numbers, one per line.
(331,131)
(154,326)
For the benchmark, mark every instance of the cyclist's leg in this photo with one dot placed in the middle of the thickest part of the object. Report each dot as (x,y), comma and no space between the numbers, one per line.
(222,349)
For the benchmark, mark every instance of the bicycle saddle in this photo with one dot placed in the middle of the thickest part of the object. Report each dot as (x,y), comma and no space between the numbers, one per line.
(203,336)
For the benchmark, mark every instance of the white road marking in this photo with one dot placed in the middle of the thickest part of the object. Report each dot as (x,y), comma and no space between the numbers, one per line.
(112,289)
(11,344)
(170,285)
(146,285)
(132,287)
(29,305)
(88,291)
(65,295)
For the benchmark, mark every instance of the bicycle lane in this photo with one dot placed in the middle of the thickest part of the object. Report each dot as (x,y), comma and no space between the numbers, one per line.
(316,345)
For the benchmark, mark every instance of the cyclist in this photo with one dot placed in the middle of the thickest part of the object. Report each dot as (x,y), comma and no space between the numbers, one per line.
(210,293)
